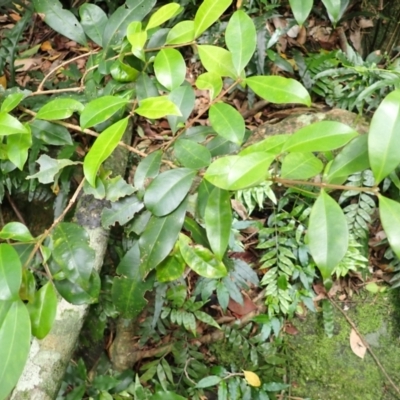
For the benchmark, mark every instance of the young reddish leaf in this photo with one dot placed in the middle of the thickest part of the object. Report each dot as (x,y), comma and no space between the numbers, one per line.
(328,235)
(279,90)
(102,149)
(227,122)
(384,137)
(218,219)
(208,13)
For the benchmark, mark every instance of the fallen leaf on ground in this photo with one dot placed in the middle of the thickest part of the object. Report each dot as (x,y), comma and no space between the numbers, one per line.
(356,344)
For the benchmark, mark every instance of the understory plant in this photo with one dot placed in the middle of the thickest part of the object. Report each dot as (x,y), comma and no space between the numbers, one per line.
(177,211)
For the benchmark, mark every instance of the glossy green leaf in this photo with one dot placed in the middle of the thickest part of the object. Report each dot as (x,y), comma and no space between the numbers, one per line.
(328,235)
(163,14)
(9,125)
(184,98)
(159,238)
(201,260)
(301,10)
(16,231)
(121,211)
(102,149)
(389,212)
(320,136)
(167,190)
(145,87)
(15,338)
(157,107)
(203,193)
(43,310)
(353,158)
(170,68)
(227,122)
(271,144)
(208,13)
(128,295)
(336,9)
(208,381)
(62,21)
(241,39)
(210,81)
(218,220)
(191,154)
(384,137)
(279,90)
(172,267)
(148,168)
(301,166)
(206,318)
(239,172)
(17,148)
(122,72)
(59,109)
(130,262)
(218,60)
(182,32)
(11,101)
(100,110)
(10,273)
(197,232)
(93,21)
(50,168)
(28,285)
(117,24)
(50,133)
(137,38)
(117,187)
(72,253)
(167,396)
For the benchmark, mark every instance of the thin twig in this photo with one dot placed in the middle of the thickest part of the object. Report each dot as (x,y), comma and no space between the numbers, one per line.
(44,92)
(366,345)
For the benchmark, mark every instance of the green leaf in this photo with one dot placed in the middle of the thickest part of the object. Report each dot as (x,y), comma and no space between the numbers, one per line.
(62,21)
(17,148)
(117,187)
(163,14)
(167,396)
(93,21)
(28,285)
(59,109)
(50,133)
(130,262)
(128,295)
(201,260)
(203,193)
(72,253)
(11,102)
(218,60)
(328,235)
(184,98)
(272,145)
(157,107)
(353,158)
(16,231)
(210,81)
(191,154)
(50,168)
(320,136)
(137,38)
(336,9)
(43,310)
(182,32)
(117,24)
(208,13)
(384,137)
(301,9)
(15,337)
(10,273)
(239,172)
(211,380)
(389,212)
(227,122)
(121,211)
(159,238)
(122,72)
(145,87)
(197,232)
(170,68)
(100,110)
(301,166)
(241,39)
(206,318)
(10,125)
(148,168)
(172,267)
(218,220)
(167,190)
(279,90)
(102,149)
